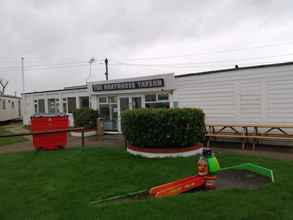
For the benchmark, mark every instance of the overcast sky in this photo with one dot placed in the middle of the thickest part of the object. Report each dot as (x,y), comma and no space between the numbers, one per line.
(58,37)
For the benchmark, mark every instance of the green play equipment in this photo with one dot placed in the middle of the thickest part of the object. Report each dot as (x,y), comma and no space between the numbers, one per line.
(214,165)
(253,168)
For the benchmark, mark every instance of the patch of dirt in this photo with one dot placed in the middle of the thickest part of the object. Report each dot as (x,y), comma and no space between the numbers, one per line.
(225,179)
(240,179)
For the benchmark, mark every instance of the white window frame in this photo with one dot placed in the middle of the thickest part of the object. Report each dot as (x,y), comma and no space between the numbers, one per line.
(157,99)
(56,105)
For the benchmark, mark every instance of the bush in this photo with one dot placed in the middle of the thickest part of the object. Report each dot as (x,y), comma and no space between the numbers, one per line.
(164,127)
(85,117)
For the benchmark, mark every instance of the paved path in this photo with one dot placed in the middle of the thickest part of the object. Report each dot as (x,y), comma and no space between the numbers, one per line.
(116,141)
(106,141)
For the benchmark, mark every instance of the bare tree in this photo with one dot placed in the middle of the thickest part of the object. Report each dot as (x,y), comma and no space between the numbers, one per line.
(3,84)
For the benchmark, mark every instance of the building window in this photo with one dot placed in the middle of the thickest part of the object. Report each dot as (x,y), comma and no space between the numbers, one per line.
(71,101)
(64,105)
(84,102)
(39,105)
(157,100)
(158,105)
(136,102)
(150,98)
(102,99)
(12,105)
(36,106)
(53,105)
(163,97)
(113,99)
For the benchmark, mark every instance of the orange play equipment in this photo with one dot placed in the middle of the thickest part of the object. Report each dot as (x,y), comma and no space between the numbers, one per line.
(207,167)
(176,187)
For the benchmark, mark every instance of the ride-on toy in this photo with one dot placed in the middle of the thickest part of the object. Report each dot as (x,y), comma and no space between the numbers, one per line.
(207,168)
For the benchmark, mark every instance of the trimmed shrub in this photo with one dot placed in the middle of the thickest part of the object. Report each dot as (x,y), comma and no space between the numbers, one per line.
(85,117)
(180,127)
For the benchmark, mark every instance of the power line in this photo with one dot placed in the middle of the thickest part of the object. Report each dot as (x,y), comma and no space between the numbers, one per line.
(175,65)
(38,67)
(57,67)
(199,63)
(45,68)
(199,67)
(15,59)
(47,65)
(214,51)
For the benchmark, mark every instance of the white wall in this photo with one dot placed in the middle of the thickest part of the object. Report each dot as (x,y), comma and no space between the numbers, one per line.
(260,95)
(9,113)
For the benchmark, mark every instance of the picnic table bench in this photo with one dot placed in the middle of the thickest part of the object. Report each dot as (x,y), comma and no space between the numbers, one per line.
(249,132)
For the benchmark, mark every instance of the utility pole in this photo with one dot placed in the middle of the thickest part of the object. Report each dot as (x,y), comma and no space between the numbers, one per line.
(106,66)
(22,73)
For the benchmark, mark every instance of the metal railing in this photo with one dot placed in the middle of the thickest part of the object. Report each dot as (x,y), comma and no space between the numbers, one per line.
(49,132)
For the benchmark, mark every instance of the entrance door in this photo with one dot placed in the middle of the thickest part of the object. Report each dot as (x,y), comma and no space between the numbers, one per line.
(108,110)
(124,104)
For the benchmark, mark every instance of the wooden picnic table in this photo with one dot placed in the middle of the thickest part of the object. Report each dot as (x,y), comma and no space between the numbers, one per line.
(243,131)
(245,128)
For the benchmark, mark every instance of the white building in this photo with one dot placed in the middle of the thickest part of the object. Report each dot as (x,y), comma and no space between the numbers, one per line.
(10,108)
(110,98)
(255,94)
(53,101)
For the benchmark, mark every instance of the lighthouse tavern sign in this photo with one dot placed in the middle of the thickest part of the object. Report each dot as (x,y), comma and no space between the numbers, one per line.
(141,84)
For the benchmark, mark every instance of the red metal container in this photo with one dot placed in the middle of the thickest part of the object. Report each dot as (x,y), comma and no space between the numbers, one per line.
(48,123)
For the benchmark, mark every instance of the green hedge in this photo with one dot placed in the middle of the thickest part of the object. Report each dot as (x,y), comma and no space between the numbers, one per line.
(164,127)
(85,117)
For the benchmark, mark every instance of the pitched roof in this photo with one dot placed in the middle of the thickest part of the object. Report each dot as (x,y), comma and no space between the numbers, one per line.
(58,90)
(235,69)
(9,96)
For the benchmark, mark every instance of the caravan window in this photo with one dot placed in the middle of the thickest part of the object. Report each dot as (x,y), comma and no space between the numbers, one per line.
(4,104)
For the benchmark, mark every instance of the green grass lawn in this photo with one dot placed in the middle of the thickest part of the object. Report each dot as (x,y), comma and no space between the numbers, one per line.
(61,184)
(9,140)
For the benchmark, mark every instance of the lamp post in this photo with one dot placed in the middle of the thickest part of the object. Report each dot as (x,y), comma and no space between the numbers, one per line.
(91,61)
